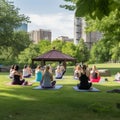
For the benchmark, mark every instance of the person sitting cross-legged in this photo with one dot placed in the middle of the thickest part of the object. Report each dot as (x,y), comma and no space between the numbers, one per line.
(84,79)
(58,73)
(17,77)
(47,79)
(38,74)
(117,76)
(94,74)
(26,72)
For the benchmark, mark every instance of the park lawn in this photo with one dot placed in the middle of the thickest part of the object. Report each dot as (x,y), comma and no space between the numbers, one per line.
(24,103)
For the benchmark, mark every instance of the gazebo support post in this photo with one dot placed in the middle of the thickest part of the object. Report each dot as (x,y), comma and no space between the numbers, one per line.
(32,64)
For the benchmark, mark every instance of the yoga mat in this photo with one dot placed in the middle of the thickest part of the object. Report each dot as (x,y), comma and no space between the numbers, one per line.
(55,88)
(92,89)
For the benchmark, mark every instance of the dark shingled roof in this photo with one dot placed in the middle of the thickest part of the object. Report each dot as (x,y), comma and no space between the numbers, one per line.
(54,55)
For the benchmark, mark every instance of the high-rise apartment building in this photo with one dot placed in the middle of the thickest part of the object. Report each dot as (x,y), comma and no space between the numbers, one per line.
(22,27)
(41,34)
(79,32)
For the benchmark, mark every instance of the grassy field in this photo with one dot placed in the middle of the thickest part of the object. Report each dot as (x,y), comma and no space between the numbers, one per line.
(24,103)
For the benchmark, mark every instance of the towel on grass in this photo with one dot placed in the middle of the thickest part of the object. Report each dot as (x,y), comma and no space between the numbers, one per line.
(54,88)
(92,89)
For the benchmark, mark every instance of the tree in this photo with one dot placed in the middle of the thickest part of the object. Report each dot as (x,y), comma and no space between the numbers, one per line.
(9,20)
(69,48)
(93,8)
(82,53)
(25,57)
(44,46)
(109,26)
(100,52)
(10,54)
(58,44)
(7,55)
(21,41)
(115,51)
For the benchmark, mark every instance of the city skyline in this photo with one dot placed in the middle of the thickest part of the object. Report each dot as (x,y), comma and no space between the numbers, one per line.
(48,15)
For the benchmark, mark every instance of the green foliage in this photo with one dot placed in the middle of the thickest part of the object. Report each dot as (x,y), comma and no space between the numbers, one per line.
(100,52)
(70,6)
(93,8)
(9,20)
(10,54)
(7,55)
(25,57)
(44,46)
(109,26)
(82,52)
(21,41)
(69,49)
(115,51)
(57,44)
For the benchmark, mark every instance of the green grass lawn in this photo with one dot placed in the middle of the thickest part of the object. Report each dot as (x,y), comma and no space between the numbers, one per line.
(24,103)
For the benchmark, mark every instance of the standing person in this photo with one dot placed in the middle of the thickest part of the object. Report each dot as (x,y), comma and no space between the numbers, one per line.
(84,79)
(38,74)
(47,79)
(17,77)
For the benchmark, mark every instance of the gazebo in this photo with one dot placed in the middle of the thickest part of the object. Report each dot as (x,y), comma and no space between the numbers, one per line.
(53,55)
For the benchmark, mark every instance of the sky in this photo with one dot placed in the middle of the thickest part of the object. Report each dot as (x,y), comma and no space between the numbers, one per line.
(46,14)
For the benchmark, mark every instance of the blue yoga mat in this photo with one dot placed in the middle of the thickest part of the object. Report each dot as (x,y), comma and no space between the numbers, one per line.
(93,89)
(55,88)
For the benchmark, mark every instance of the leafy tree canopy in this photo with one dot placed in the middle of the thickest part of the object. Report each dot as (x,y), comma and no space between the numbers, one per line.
(9,20)
(93,8)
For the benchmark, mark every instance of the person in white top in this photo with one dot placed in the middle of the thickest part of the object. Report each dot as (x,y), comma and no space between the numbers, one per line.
(11,72)
(26,73)
(58,73)
(117,76)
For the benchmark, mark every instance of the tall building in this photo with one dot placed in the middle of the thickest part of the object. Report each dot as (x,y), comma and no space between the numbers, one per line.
(79,33)
(77,30)
(41,34)
(22,27)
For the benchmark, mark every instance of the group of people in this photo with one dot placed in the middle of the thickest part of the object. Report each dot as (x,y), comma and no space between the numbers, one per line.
(45,75)
(86,76)
(16,76)
(26,72)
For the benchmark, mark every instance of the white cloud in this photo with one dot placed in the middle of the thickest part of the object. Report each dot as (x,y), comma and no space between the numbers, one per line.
(60,24)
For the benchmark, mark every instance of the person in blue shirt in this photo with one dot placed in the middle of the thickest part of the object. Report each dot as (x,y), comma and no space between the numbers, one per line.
(38,74)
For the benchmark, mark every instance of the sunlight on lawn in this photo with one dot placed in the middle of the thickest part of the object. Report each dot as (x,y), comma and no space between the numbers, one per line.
(20,97)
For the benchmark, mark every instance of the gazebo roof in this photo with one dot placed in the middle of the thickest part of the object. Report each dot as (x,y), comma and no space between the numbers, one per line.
(54,55)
